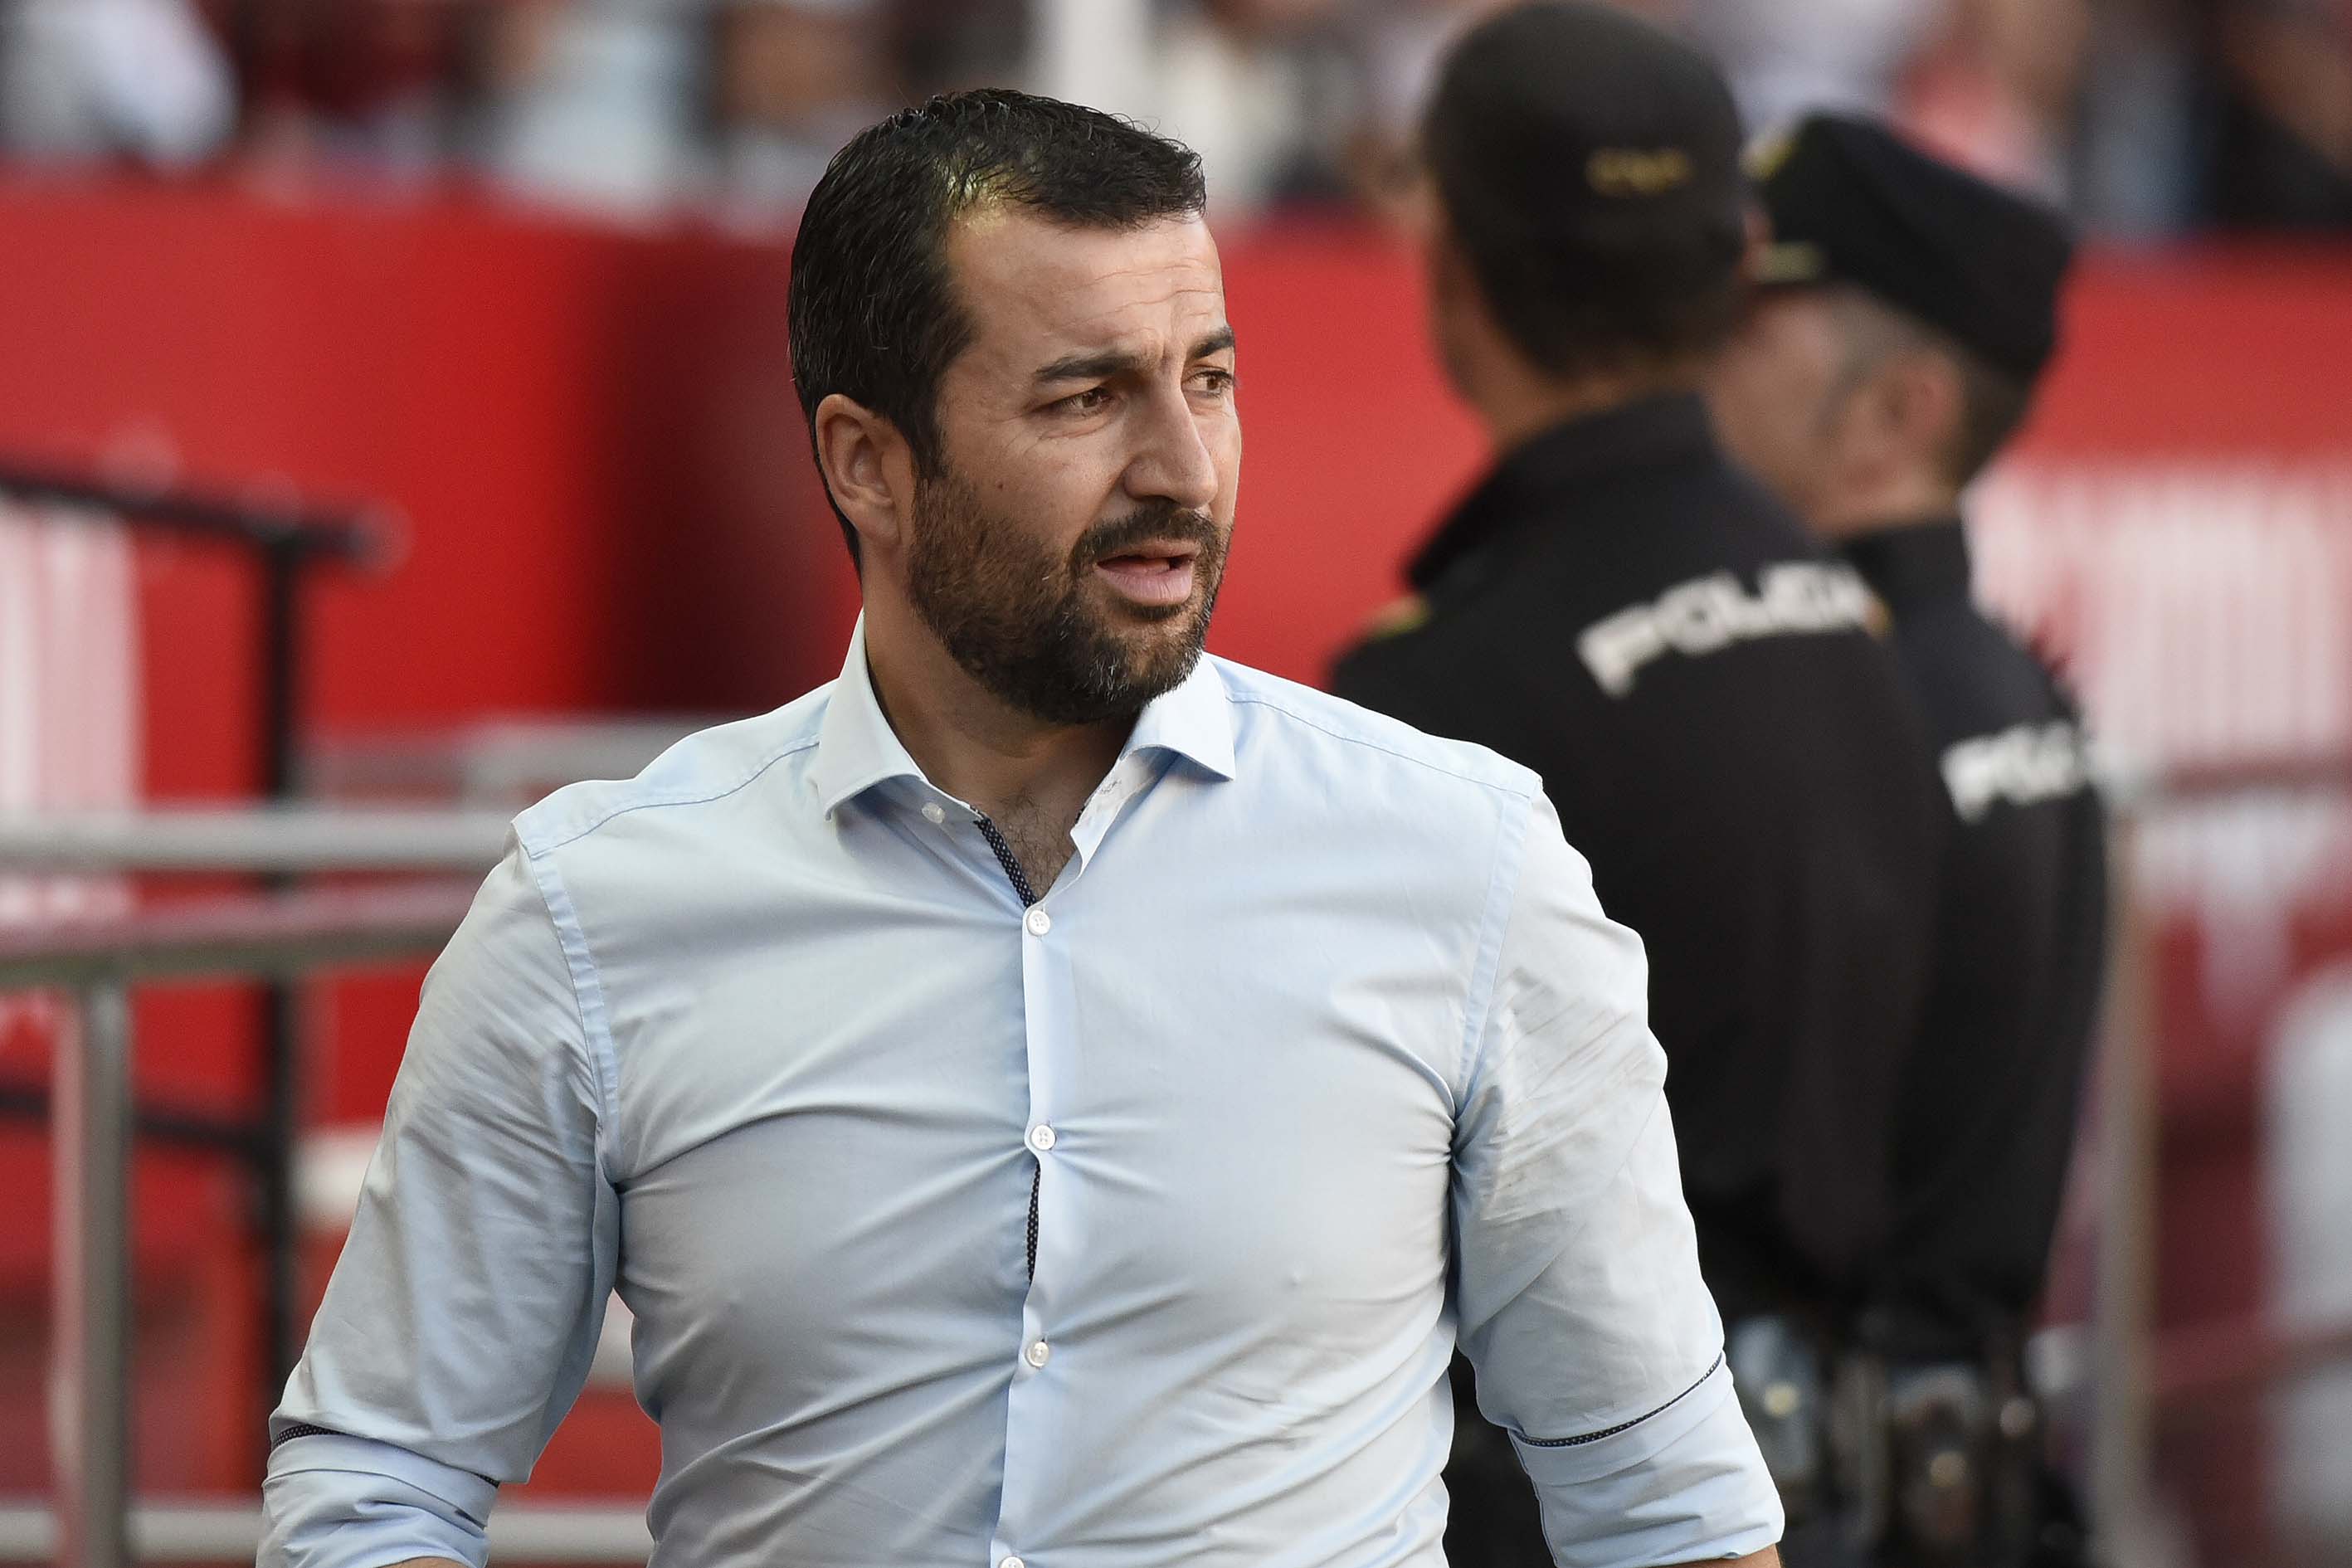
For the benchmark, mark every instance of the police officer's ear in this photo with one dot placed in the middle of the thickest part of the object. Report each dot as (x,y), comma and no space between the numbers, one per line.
(1451,282)
(870,470)
(1898,413)
(1924,394)
(1461,325)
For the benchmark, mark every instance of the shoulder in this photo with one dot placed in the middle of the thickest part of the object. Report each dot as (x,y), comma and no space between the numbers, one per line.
(1279,723)
(1748,504)
(1972,671)
(1438,834)
(707,766)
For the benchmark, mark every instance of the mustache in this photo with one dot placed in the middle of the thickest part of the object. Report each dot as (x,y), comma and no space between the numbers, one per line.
(1158,522)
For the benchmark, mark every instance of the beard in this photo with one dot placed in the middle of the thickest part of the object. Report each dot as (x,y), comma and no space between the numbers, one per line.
(1035,628)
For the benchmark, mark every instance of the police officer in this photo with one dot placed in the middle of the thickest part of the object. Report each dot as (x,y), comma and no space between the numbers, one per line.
(1909,312)
(1704,691)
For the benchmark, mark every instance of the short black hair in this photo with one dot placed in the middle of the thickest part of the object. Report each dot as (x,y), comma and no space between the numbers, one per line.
(1993,403)
(1587,163)
(874,312)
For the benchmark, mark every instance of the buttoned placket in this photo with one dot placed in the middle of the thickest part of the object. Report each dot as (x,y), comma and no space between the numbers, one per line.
(1048,1004)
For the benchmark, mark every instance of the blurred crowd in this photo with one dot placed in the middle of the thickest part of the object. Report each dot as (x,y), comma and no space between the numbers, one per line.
(2144,118)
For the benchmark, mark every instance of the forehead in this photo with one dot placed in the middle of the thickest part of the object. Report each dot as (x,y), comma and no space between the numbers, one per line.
(1793,316)
(1033,286)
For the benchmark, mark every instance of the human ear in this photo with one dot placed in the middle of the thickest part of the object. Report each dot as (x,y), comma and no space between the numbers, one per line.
(1860,426)
(1468,343)
(1450,283)
(1925,398)
(866,466)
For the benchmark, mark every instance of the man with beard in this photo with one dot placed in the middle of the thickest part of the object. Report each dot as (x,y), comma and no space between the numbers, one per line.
(1704,693)
(1046,1095)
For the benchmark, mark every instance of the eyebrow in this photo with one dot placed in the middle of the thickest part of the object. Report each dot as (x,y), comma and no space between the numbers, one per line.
(1120,362)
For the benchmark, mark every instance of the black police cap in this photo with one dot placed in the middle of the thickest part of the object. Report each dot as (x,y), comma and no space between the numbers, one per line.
(1592,133)
(1850,202)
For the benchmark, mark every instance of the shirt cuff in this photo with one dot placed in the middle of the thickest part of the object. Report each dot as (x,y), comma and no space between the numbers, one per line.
(1685,1485)
(337,1501)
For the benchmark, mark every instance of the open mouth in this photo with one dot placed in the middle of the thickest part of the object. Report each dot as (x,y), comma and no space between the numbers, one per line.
(1158,573)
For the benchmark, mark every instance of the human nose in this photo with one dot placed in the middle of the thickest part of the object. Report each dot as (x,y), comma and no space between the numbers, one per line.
(1174,461)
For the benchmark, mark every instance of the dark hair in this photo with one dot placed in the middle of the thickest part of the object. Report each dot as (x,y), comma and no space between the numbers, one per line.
(1993,404)
(874,311)
(1581,275)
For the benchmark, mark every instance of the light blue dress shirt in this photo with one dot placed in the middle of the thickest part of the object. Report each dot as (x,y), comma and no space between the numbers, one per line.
(1320,1052)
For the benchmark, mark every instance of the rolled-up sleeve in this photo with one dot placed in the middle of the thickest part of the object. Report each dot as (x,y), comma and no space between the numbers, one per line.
(464,1312)
(1596,1345)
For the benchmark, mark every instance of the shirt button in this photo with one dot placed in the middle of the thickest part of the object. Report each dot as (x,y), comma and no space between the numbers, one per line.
(1041,1138)
(1013,1562)
(934,812)
(1039,922)
(1036,1354)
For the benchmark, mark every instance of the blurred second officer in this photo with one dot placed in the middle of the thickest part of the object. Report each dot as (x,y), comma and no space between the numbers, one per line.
(1909,308)
(1704,692)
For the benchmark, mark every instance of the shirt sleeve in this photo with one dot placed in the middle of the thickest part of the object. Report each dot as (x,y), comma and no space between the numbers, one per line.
(462,1316)
(1596,1345)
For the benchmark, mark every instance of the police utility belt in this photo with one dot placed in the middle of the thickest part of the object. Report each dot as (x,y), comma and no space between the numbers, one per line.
(1929,1462)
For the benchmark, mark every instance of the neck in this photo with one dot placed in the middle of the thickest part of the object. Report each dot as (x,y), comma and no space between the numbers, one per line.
(1902,502)
(971,743)
(1516,402)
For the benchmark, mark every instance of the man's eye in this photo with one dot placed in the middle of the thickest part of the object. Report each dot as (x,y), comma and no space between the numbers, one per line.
(1093,400)
(1214,383)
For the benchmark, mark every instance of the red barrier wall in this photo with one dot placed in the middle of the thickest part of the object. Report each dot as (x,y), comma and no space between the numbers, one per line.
(593,440)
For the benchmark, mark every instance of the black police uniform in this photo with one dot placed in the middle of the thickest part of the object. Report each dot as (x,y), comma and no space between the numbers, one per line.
(1985,1116)
(1729,741)
(1986,1110)
(1985,1113)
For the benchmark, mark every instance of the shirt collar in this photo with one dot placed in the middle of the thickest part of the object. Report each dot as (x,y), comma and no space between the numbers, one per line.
(1915,563)
(1194,722)
(1519,492)
(857,749)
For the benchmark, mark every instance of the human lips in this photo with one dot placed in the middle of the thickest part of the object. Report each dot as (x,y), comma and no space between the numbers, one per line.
(1158,573)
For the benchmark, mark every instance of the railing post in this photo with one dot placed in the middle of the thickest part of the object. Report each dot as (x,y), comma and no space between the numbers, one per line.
(89,1382)
(281,1000)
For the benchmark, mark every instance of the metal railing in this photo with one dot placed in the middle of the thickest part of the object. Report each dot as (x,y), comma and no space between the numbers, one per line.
(202,1530)
(102,960)
(275,842)
(284,937)
(287,542)
(283,840)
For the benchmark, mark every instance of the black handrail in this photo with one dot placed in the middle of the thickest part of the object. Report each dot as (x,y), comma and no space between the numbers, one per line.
(287,541)
(356,533)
